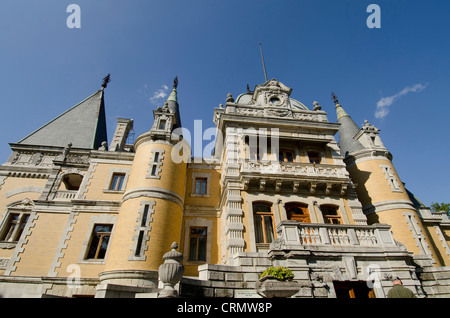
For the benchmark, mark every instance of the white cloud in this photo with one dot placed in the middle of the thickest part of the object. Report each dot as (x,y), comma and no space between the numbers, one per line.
(159,94)
(384,103)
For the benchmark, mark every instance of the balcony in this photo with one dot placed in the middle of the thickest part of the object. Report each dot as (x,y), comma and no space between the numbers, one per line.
(293,235)
(65,195)
(294,176)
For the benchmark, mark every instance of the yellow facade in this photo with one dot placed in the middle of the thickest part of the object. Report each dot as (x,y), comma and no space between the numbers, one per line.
(117,211)
(374,188)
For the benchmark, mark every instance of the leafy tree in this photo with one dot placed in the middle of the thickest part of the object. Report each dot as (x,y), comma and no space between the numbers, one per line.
(440,207)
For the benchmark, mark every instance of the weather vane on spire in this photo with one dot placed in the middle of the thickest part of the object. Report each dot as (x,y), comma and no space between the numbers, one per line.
(106,80)
(175,82)
(334,98)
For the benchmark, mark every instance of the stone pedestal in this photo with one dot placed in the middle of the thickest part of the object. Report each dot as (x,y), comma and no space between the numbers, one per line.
(270,287)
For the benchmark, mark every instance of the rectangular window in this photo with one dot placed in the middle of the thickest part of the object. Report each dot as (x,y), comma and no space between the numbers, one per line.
(142,228)
(254,153)
(144,216)
(330,214)
(314,157)
(263,221)
(200,185)
(138,250)
(99,241)
(155,164)
(139,244)
(286,156)
(162,124)
(197,244)
(154,170)
(117,181)
(14,227)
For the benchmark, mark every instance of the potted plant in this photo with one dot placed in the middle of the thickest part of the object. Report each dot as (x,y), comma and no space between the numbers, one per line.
(277,282)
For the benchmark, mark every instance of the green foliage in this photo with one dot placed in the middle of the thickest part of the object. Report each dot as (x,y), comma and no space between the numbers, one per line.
(280,273)
(440,207)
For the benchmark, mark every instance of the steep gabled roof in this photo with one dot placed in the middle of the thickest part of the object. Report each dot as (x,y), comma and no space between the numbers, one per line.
(83,125)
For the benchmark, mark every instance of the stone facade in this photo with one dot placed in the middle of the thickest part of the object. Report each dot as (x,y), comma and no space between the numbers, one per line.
(81,218)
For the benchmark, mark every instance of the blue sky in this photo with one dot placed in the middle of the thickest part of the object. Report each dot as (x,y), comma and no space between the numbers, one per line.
(315,47)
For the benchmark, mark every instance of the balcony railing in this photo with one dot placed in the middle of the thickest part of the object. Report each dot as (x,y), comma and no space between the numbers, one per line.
(293,168)
(63,195)
(293,234)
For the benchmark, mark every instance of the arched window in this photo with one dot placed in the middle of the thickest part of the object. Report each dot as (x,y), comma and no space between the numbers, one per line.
(263,218)
(72,181)
(298,212)
(330,214)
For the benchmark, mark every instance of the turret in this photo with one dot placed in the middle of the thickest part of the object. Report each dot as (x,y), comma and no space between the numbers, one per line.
(151,210)
(382,194)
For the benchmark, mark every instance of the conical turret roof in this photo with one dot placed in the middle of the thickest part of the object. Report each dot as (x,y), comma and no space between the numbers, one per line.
(347,131)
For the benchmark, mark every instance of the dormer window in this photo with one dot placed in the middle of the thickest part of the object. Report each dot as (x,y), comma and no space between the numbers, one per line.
(162,124)
(274,101)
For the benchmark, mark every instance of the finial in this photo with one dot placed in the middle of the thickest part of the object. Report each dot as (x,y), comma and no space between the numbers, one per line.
(175,82)
(106,80)
(334,98)
(316,106)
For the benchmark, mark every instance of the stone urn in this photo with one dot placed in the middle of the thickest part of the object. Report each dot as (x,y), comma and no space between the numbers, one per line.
(170,272)
(270,287)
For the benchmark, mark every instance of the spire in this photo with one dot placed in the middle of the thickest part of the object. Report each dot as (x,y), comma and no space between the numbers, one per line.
(340,112)
(172,102)
(173,94)
(347,130)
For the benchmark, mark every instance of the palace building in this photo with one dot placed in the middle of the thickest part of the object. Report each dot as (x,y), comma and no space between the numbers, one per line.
(83,217)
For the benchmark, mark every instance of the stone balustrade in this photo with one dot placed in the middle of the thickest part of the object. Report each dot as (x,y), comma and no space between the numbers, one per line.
(292,234)
(65,194)
(294,168)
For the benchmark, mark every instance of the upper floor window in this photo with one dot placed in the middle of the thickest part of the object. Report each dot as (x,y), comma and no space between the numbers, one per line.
(72,181)
(162,124)
(197,243)
(330,214)
(117,181)
(298,212)
(286,156)
(254,153)
(314,157)
(99,241)
(201,185)
(264,225)
(14,226)
(156,161)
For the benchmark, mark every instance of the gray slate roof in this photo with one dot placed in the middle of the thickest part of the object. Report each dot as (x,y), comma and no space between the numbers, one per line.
(83,125)
(347,131)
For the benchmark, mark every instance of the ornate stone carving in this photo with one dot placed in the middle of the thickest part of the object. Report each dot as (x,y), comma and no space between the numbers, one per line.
(171,272)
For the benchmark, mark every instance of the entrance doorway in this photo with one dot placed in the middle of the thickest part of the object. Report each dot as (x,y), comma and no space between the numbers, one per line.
(348,289)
